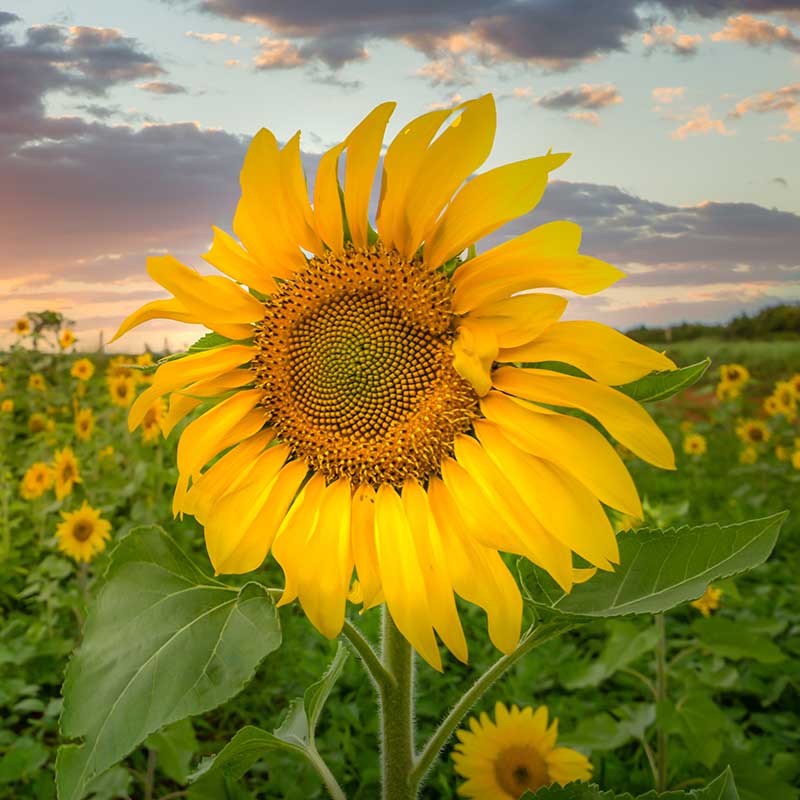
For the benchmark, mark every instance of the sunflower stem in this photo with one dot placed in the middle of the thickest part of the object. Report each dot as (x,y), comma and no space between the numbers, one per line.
(542,633)
(661,696)
(368,657)
(397,714)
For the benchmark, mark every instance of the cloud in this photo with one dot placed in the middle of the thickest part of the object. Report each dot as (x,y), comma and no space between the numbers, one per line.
(757,33)
(590,117)
(278,54)
(451,102)
(587,95)
(213,38)
(780,181)
(786,99)
(449,71)
(668,94)
(162,87)
(701,123)
(666,37)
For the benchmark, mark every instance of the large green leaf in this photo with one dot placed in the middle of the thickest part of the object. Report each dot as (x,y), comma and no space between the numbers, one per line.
(736,639)
(658,570)
(661,385)
(723,788)
(699,721)
(162,642)
(605,732)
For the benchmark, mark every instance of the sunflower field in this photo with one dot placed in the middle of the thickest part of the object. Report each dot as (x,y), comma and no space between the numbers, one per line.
(392,528)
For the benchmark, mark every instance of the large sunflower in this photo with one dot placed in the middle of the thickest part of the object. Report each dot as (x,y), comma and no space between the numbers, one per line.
(371,412)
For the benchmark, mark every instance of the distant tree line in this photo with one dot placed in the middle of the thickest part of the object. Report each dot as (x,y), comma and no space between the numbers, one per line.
(776,322)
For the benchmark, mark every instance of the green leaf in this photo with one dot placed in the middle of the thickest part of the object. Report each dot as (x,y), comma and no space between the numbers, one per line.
(699,721)
(162,642)
(604,732)
(112,784)
(209,341)
(658,570)
(175,744)
(23,758)
(661,385)
(736,640)
(723,788)
(315,697)
(627,642)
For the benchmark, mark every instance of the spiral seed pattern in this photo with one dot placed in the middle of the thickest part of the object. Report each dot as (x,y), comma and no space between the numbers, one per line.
(354,358)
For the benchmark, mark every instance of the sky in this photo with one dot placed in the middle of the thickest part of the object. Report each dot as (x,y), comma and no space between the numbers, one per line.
(123,127)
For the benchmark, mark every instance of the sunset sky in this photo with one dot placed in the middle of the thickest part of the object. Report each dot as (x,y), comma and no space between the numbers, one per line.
(123,127)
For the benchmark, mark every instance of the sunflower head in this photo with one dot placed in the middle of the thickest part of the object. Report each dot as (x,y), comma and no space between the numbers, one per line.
(36,382)
(770,406)
(7,405)
(694,444)
(753,432)
(65,471)
(796,459)
(734,374)
(84,424)
(22,327)
(83,533)
(749,455)
(709,601)
(66,339)
(37,480)
(153,418)
(82,369)
(37,422)
(122,390)
(728,391)
(120,367)
(785,399)
(364,408)
(514,754)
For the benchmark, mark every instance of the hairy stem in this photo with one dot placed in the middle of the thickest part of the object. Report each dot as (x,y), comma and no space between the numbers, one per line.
(661,695)
(368,657)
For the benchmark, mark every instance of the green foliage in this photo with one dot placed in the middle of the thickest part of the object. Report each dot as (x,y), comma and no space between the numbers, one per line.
(658,569)
(196,643)
(662,385)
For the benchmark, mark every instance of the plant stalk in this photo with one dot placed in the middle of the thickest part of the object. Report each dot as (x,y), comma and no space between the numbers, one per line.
(661,696)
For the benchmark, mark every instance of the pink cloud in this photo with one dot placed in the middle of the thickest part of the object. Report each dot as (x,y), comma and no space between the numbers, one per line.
(214,38)
(757,33)
(701,123)
(666,37)
(668,94)
(786,99)
(278,54)
(591,117)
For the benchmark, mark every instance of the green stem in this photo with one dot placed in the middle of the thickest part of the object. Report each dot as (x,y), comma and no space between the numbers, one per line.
(397,714)
(328,778)
(541,634)
(661,696)
(369,658)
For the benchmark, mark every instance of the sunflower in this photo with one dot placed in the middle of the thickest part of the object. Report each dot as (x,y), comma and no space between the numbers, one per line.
(796,459)
(83,534)
(82,369)
(121,390)
(734,374)
(364,395)
(7,405)
(504,759)
(22,327)
(794,382)
(753,431)
(708,602)
(36,382)
(37,422)
(106,453)
(2,385)
(65,469)
(727,391)
(119,367)
(770,406)
(785,399)
(84,424)
(748,456)
(782,453)
(694,444)
(66,339)
(153,417)
(37,480)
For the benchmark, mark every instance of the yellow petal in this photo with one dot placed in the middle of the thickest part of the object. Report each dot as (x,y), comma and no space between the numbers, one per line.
(218,302)
(619,414)
(477,573)
(324,583)
(606,354)
(263,205)
(362,527)
(181,372)
(229,257)
(183,401)
(545,256)
(433,563)
(487,202)
(401,575)
(474,352)
(157,309)
(573,444)
(400,166)
(520,319)
(299,216)
(230,519)
(447,163)
(327,206)
(363,150)
(563,505)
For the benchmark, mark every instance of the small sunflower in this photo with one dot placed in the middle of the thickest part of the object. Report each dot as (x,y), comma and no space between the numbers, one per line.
(22,327)
(120,367)
(753,432)
(84,424)
(727,391)
(782,453)
(748,456)
(7,405)
(515,754)
(37,422)
(796,459)
(37,480)
(122,391)
(708,602)
(153,418)
(734,374)
(770,406)
(36,382)
(2,385)
(83,534)
(82,369)
(66,339)
(367,405)
(106,453)
(794,382)
(66,472)
(694,444)
(785,399)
